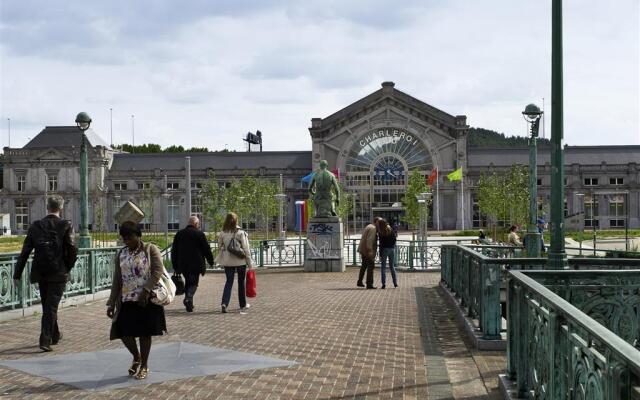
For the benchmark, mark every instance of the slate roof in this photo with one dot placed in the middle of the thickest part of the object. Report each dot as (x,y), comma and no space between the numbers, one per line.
(585,155)
(64,136)
(231,160)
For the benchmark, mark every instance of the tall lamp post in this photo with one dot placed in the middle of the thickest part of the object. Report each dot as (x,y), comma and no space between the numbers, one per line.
(557,254)
(423,199)
(532,115)
(83,120)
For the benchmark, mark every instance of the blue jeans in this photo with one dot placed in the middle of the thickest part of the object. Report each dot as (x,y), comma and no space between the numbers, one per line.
(228,285)
(388,253)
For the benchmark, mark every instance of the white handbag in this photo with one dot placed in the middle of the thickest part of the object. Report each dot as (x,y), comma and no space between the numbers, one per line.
(164,292)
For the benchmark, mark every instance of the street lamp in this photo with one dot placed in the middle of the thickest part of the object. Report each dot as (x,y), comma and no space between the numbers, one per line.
(83,120)
(423,199)
(532,115)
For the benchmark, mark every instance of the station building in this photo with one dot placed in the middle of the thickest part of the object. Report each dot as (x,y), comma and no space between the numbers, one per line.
(374,143)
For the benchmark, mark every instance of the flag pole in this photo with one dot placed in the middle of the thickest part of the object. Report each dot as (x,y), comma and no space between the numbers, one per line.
(462,192)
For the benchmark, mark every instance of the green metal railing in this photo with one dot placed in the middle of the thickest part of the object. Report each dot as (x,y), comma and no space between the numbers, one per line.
(92,272)
(477,280)
(571,334)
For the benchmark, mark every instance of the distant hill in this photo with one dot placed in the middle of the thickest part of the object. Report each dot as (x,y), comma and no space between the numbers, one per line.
(480,137)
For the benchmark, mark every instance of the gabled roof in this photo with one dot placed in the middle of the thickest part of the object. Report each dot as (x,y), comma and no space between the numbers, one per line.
(215,160)
(388,90)
(64,136)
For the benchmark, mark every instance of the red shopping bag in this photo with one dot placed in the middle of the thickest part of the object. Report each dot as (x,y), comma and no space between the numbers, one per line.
(251,283)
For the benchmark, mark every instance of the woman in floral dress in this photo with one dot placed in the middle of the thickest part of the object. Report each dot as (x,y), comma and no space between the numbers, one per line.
(138,268)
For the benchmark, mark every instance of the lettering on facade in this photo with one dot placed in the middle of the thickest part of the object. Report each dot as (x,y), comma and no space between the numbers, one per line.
(395,134)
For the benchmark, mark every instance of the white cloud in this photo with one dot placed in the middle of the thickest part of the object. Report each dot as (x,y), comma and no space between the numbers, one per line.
(204,73)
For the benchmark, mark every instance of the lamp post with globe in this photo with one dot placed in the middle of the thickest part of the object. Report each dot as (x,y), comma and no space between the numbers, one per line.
(83,120)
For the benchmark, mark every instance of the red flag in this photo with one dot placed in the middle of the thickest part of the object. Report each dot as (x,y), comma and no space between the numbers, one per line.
(336,172)
(432,177)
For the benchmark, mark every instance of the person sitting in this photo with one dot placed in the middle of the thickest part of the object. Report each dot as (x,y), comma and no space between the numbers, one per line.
(513,239)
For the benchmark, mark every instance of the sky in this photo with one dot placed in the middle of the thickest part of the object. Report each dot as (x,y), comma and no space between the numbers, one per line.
(205,72)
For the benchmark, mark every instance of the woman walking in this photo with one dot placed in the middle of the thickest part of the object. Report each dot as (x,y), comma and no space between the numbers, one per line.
(138,268)
(387,237)
(234,263)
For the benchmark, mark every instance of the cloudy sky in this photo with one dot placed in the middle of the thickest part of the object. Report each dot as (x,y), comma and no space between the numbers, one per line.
(204,72)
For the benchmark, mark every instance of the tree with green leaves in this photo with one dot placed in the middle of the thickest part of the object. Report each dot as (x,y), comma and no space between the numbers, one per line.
(417,184)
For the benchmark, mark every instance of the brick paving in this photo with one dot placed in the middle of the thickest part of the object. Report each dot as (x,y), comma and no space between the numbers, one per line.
(348,343)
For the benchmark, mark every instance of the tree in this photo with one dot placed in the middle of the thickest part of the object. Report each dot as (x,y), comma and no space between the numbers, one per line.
(505,198)
(212,211)
(345,207)
(417,184)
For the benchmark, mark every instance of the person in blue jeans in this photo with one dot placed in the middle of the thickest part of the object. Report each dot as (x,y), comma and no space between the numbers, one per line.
(387,247)
(232,263)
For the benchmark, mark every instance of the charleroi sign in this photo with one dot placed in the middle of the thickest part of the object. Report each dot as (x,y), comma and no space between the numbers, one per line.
(394,134)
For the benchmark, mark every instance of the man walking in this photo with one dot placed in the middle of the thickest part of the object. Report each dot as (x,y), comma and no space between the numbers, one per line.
(188,251)
(55,255)
(367,250)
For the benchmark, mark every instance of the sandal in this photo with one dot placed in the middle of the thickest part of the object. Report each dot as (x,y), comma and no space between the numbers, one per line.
(133,369)
(142,373)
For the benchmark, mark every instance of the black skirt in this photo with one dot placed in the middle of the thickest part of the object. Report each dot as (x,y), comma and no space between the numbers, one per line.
(134,320)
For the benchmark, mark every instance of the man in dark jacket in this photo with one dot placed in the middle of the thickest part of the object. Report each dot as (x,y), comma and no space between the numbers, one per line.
(55,255)
(188,251)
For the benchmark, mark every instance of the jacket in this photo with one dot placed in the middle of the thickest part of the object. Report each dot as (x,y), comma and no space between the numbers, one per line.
(45,270)
(115,299)
(368,243)
(189,250)
(388,242)
(225,258)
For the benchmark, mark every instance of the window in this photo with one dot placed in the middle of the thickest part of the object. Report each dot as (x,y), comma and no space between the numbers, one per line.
(197,206)
(146,205)
(22,215)
(120,185)
(144,185)
(478,219)
(173,185)
(539,182)
(616,181)
(52,183)
(616,212)
(173,214)
(565,181)
(566,208)
(591,181)
(591,212)
(196,185)
(22,183)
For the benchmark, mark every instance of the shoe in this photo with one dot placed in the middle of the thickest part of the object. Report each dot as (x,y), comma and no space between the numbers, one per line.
(371,287)
(142,374)
(224,309)
(383,286)
(188,305)
(56,341)
(395,285)
(243,310)
(360,284)
(133,369)
(247,306)
(46,347)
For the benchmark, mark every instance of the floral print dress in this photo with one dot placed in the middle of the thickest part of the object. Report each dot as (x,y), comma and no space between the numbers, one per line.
(135,268)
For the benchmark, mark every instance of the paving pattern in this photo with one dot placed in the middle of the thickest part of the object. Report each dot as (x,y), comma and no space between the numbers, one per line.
(346,342)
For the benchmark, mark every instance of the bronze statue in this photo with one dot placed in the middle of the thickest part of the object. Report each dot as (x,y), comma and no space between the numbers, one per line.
(321,192)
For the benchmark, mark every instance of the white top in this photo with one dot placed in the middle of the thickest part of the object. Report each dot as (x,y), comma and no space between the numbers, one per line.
(225,258)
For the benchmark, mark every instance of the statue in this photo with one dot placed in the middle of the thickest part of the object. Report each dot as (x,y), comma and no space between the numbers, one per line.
(321,192)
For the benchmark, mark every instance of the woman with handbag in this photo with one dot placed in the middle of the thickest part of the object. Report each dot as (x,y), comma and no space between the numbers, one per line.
(234,256)
(138,270)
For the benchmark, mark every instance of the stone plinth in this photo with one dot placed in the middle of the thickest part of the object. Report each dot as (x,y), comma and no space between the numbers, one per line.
(324,245)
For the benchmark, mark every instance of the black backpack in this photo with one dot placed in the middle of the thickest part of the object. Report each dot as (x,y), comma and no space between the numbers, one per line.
(49,245)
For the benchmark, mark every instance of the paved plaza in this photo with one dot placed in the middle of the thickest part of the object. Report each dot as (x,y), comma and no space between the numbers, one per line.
(334,340)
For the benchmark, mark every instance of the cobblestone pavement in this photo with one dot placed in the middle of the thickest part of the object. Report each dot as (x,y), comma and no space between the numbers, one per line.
(348,343)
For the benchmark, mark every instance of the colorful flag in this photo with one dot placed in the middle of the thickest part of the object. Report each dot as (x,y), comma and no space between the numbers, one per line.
(308,178)
(455,175)
(432,177)
(336,172)
(301,219)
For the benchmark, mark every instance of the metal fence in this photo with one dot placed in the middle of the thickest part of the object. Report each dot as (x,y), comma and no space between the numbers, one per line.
(92,272)
(571,334)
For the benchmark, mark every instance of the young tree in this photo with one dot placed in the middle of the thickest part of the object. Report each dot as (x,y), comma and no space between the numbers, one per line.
(212,210)
(417,184)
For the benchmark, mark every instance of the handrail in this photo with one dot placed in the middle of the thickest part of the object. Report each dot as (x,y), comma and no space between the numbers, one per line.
(620,347)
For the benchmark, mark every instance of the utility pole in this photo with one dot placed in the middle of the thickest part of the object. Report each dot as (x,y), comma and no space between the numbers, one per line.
(187,167)
(111,118)
(133,134)
(9,128)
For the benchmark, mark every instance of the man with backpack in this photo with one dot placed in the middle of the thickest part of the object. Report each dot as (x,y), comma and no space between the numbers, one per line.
(53,240)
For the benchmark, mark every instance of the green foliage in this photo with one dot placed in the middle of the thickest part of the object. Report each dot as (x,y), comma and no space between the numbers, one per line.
(212,211)
(156,148)
(345,207)
(417,184)
(480,137)
(505,197)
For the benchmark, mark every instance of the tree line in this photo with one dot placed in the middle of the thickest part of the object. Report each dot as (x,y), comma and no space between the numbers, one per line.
(156,148)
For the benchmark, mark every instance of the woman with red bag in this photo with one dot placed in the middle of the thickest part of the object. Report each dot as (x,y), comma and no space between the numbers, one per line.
(234,256)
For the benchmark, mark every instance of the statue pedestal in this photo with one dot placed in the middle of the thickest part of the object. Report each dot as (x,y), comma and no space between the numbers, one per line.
(324,245)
